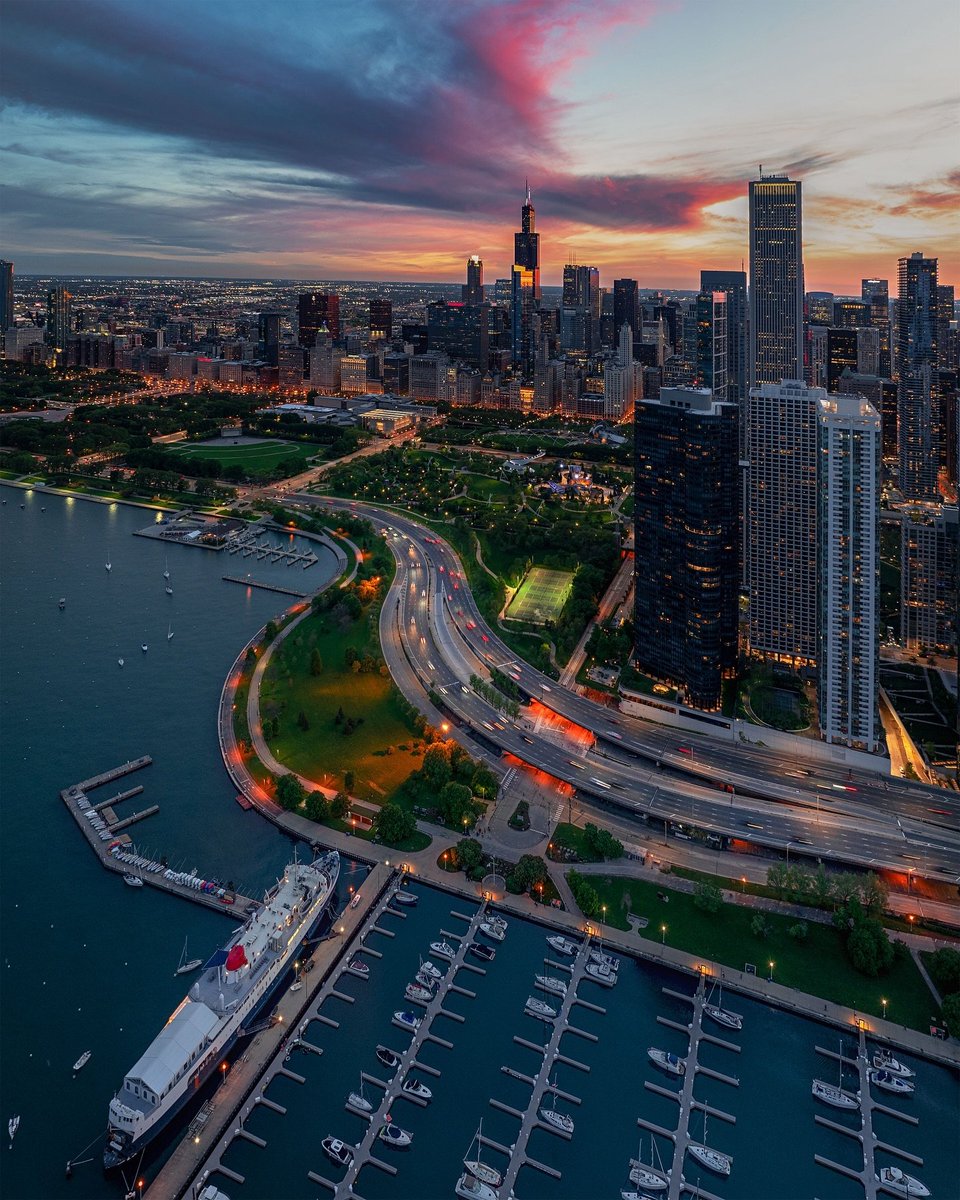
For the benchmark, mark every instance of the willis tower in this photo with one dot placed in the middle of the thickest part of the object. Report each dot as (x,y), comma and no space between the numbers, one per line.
(525,289)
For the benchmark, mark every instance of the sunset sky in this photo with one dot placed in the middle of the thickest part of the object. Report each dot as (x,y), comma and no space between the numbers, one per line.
(383,139)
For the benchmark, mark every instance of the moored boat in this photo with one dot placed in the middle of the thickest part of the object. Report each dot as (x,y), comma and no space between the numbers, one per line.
(602,959)
(359,1101)
(413,1087)
(493,931)
(442,949)
(133,881)
(713,1160)
(236,984)
(401,896)
(716,1012)
(187,965)
(339,1151)
(406,1020)
(359,967)
(82,1061)
(601,973)
(480,1170)
(416,991)
(432,972)
(562,945)
(479,950)
(558,1120)
(12,1126)
(834,1096)
(539,1008)
(900,1182)
(891,1083)
(550,983)
(387,1057)
(883,1060)
(667,1061)
(394,1136)
(469,1187)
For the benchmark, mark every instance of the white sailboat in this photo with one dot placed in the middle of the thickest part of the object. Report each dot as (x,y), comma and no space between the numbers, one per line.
(359,1101)
(169,590)
(186,966)
(82,1061)
(713,1160)
(481,1170)
(833,1095)
(12,1126)
(166,568)
(169,632)
(723,1016)
(109,566)
(648,1177)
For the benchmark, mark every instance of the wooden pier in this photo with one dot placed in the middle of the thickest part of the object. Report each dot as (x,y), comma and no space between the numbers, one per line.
(103,830)
(267,587)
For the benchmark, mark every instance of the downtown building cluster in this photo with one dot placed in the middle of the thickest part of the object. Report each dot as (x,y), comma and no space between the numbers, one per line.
(758,508)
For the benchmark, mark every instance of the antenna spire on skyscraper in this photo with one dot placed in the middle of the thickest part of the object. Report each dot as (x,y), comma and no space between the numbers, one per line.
(526,183)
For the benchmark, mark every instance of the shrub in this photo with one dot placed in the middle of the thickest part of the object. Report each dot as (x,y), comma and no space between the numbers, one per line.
(798,931)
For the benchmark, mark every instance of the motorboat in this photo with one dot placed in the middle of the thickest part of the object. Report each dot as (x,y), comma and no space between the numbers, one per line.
(667,1061)
(212,1192)
(119,662)
(558,1120)
(493,931)
(394,1136)
(472,1188)
(187,965)
(713,1160)
(404,897)
(834,1096)
(169,590)
(359,967)
(900,1182)
(358,1100)
(723,1016)
(387,1057)
(62,604)
(166,569)
(12,1126)
(427,968)
(891,1083)
(413,1087)
(144,647)
(407,1020)
(416,991)
(425,981)
(883,1060)
(496,919)
(355,900)
(480,1170)
(133,881)
(601,973)
(169,632)
(339,1151)
(602,959)
(562,945)
(479,950)
(539,1008)
(296,985)
(550,983)
(109,566)
(82,1061)
(442,950)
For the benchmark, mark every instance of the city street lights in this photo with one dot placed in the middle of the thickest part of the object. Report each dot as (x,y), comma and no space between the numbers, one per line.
(603,917)
(743,880)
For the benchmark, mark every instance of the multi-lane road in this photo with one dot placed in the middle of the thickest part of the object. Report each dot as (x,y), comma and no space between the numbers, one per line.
(434,639)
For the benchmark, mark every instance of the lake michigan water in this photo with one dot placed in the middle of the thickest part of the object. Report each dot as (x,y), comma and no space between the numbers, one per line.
(88,963)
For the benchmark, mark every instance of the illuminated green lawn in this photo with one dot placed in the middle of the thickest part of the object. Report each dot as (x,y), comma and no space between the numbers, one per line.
(541,596)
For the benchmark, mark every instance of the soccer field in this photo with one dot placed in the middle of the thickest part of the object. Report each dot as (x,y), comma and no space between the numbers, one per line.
(540,597)
(256,456)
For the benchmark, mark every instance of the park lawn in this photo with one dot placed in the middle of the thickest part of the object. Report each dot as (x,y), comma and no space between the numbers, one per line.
(572,837)
(818,966)
(323,753)
(485,487)
(259,456)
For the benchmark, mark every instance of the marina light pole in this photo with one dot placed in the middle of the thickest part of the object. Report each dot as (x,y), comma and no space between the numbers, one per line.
(663,938)
(884,1003)
(770,976)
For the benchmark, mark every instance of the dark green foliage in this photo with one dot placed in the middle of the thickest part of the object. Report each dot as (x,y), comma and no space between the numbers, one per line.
(340,805)
(869,947)
(585,894)
(944,965)
(469,854)
(708,897)
(394,824)
(316,807)
(290,792)
(601,843)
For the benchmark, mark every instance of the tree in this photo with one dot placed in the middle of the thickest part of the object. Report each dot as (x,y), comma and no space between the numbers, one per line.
(270,631)
(316,662)
(394,824)
(290,791)
(708,897)
(945,969)
(777,878)
(950,1011)
(799,931)
(455,803)
(316,806)
(435,771)
(869,947)
(302,720)
(585,894)
(340,805)
(469,854)
(759,926)
(821,887)
(873,895)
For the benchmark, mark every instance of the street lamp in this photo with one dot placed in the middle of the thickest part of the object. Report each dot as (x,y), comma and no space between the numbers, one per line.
(884,1003)
(743,880)
(663,935)
(770,976)
(603,917)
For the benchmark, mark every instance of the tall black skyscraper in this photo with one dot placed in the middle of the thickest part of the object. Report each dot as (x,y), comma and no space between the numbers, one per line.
(687,556)
(876,292)
(472,291)
(268,337)
(6,295)
(525,288)
(915,363)
(734,283)
(776,280)
(58,319)
(626,306)
(315,309)
(381,318)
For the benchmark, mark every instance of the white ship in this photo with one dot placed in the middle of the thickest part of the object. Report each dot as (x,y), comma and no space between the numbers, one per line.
(237,983)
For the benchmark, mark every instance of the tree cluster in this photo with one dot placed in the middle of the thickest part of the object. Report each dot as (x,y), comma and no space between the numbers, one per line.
(394,825)
(601,843)
(585,894)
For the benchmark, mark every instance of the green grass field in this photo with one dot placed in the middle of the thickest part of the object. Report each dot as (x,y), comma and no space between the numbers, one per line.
(541,596)
(323,752)
(257,456)
(818,965)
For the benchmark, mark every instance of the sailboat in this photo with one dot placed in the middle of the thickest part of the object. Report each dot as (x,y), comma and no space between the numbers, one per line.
(481,1170)
(836,1097)
(359,1101)
(554,1117)
(713,1160)
(120,662)
(169,632)
(169,590)
(723,1016)
(648,1177)
(187,966)
(109,566)
(166,568)
(12,1126)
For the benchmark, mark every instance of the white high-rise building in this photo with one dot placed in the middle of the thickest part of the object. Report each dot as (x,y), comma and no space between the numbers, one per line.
(622,380)
(782,520)
(849,447)
(776,280)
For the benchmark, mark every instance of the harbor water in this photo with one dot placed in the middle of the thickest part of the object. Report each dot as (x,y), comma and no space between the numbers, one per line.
(88,964)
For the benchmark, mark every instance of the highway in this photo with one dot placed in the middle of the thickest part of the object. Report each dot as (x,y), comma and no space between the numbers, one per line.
(434,638)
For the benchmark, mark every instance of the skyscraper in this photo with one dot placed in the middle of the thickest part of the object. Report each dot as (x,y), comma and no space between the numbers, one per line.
(915,362)
(472,291)
(58,319)
(525,288)
(782,515)
(877,294)
(776,280)
(734,283)
(580,308)
(710,312)
(686,519)
(6,301)
(315,309)
(626,306)
(268,337)
(848,571)
(946,345)
(381,318)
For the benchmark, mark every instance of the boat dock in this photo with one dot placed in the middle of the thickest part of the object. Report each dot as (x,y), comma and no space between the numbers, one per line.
(868,1176)
(103,830)
(267,587)
(245,542)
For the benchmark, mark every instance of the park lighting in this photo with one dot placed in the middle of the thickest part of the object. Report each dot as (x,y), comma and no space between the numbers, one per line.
(663,935)
(884,1003)
(770,977)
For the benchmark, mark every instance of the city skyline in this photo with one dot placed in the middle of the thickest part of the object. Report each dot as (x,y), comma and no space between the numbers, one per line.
(289,148)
